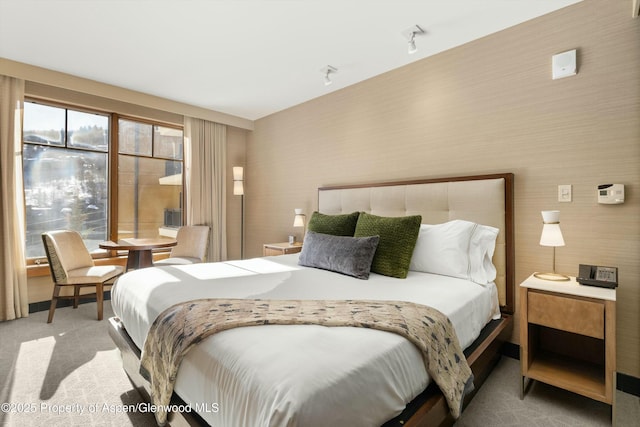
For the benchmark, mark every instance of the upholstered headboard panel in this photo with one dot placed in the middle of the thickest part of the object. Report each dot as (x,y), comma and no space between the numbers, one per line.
(486,199)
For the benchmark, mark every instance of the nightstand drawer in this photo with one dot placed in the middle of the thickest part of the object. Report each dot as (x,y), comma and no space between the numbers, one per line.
(568,314)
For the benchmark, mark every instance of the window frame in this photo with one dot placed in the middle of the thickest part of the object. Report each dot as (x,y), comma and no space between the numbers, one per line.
(112,170)
(113,159)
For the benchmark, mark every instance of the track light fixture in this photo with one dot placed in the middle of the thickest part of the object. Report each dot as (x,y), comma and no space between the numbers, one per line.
(326,71)
(410,34)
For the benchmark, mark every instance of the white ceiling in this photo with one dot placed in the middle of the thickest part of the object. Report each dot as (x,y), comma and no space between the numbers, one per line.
(248,58)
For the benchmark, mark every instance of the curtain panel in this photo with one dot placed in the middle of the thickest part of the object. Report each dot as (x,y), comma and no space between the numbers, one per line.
(14,300)
(205,168)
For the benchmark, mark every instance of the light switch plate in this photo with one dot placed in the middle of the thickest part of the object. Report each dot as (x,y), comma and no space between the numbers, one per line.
(564,193)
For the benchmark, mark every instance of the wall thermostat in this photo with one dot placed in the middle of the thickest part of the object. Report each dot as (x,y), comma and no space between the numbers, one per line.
(611,194)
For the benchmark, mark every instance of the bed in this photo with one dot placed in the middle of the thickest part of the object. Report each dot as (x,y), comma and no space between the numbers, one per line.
(313,375)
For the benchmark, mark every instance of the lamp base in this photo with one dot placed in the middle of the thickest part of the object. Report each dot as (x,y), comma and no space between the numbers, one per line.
(552,276)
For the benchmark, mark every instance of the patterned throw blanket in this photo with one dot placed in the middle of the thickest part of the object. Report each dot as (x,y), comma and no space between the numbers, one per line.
(180,327)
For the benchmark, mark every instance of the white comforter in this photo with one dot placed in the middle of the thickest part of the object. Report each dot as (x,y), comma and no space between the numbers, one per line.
(298,375)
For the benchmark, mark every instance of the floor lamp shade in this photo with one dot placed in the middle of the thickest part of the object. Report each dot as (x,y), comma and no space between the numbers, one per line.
(238,181)
(238,188)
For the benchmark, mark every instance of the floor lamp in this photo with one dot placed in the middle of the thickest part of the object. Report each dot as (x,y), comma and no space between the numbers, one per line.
(238,190)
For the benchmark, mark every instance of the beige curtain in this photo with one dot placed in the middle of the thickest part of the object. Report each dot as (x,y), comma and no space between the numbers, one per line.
(205,167)
(14,301)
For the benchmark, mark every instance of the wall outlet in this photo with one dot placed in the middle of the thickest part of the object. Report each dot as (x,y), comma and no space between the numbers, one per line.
(564,193)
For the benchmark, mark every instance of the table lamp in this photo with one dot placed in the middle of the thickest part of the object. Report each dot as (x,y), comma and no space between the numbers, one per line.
(551,236)
(299,221)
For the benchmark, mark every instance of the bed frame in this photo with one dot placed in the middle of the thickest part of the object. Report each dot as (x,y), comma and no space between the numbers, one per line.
(486,199)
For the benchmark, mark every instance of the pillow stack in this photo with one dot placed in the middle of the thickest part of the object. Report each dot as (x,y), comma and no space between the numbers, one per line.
(358,243)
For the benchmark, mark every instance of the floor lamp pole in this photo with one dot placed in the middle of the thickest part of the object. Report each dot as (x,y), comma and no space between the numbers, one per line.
(242,226)
(238,190)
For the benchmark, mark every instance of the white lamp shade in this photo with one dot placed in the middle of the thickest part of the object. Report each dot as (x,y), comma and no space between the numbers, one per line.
(238,188)
(550,217)
(551,235)
(299,219)
(237,173)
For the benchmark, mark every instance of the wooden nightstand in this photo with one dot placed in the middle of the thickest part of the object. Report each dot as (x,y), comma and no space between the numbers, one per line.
(568,337)
(271,249)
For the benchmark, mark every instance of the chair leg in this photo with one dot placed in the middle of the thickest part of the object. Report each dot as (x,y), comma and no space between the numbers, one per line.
(100,299)
(76,296)
(54,301)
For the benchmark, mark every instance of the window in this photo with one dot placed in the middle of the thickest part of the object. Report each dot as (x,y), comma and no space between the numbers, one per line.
(65,174)
(149,179)
(67,158)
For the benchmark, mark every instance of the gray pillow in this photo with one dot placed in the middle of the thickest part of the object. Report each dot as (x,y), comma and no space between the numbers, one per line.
(342,254)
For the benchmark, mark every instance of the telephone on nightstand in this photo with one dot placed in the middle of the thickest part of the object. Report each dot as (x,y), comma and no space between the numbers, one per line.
(593,275)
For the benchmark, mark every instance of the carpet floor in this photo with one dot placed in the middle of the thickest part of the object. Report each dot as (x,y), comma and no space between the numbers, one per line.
(69,373)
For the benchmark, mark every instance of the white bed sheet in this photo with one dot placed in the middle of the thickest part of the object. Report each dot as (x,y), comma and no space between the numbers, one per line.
(298,375)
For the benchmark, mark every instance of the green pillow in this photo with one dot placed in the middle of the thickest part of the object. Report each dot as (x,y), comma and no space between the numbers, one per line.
(398,236)
(336,225)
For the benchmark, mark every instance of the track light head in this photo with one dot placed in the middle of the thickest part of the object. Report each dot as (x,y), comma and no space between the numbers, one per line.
(410,34)
(326,71)
(412,46)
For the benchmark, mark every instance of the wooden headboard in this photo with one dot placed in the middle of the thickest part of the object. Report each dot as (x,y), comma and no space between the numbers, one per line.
(484,199)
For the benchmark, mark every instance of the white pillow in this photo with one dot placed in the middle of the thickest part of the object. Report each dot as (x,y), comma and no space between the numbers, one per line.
(456,248)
